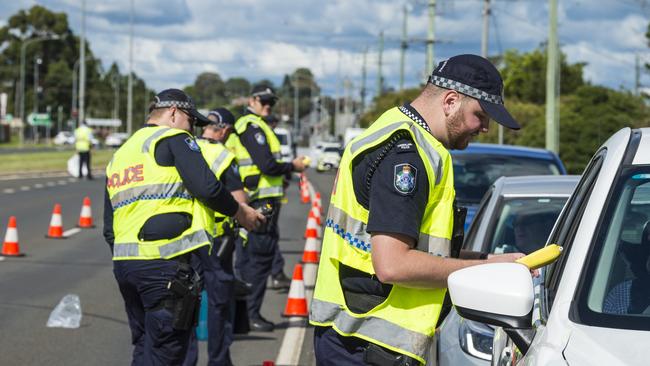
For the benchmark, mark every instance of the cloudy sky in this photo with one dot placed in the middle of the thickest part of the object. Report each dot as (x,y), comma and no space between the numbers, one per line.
(175,40)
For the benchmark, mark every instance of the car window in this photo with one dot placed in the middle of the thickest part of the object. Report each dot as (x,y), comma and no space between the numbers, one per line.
(522,224)
(473,229)
(615,286)
(474,173)
(566,227)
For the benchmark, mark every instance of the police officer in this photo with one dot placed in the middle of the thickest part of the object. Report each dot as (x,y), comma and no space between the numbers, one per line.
(160,194)
(257,150)
(279,279)
(386,249)
(82,137)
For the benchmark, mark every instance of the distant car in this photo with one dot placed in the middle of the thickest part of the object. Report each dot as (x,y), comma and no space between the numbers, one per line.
(329,159)
(515,215)
(479,165)
(64,138)
(286,143)
(320,146)
(116,139)
(591,306)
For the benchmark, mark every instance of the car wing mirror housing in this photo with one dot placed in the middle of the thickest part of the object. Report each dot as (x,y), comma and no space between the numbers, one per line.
(499,294)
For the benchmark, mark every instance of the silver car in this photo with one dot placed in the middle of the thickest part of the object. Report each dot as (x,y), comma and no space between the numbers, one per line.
(515,215)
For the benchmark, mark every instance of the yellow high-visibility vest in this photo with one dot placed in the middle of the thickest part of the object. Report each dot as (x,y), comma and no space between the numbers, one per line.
(219,158)
(82,137)
(405,322)
(269,186)
(139,189)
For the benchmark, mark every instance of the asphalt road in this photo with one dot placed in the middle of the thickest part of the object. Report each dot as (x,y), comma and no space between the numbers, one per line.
(31,286)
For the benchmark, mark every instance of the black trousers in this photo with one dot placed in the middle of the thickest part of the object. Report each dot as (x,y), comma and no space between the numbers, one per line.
(84,158)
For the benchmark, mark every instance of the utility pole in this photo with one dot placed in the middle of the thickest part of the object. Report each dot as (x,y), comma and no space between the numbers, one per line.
(338,93)
(484,49)
(37,62)
(380,81)
(116,89)
(552,115)
(404,46)
(430,37)
(637,75)
(296,117)
(363,80)
(129,102)
(82,65)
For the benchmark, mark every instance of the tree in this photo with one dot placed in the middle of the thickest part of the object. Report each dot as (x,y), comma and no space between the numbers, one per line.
(387,101)
(524,75)
(209,90)
(237,87)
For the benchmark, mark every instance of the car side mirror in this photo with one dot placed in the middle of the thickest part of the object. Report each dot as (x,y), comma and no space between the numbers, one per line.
(500,294)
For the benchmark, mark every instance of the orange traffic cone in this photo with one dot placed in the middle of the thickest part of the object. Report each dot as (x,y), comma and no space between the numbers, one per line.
(311,251)
(10,247)
(315,213)
(304,193)
(296,303)
(313,229)
(86,215)
(56,225)
(317,202)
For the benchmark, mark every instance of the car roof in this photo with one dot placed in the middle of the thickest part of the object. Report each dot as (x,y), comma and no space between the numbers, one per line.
(481,148)
(536,185)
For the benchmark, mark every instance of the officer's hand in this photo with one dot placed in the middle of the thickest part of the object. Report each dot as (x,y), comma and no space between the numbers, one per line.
(299,164)
(248,217)
(509,258)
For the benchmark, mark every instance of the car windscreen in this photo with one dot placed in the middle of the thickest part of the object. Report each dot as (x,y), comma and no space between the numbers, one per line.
(332,149)
(523,224)
(615,286)
(474,173)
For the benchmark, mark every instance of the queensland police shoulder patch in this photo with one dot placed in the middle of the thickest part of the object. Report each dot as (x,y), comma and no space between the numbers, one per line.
(405,177)
(191,143)
(260,138)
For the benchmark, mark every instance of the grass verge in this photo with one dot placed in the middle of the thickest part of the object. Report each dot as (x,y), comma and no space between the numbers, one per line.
(50,161)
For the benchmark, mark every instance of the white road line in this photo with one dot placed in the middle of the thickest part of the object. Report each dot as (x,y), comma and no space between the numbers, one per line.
(25,188)
(2,258)
(289,353)
(38,185)
(8,190)
(68,233)
(72,179)
(62,182)
(50,184)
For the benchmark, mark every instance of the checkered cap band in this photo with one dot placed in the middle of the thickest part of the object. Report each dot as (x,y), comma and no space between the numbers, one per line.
(173,103)
(465,89)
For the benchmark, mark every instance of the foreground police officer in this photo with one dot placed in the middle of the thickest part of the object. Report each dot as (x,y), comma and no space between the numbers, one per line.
(385,257)
(160,194)
(257,150)
(216,265)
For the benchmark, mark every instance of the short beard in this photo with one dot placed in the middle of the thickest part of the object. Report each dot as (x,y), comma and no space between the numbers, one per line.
(455,137)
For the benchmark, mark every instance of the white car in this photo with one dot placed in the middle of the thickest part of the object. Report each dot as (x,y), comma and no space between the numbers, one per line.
(286,143)
(592,305)
(64,138)
(116,139)
(329,159)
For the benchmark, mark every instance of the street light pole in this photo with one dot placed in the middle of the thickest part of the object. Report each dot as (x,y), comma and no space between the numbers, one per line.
(82,65)
(37,62)
(23,47)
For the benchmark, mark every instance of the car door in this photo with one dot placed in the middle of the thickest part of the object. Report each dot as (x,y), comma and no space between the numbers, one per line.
(504,351)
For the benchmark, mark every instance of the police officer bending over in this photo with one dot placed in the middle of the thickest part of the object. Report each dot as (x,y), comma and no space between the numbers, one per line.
(257,149)
(387,245)
(160,194)
(216,264)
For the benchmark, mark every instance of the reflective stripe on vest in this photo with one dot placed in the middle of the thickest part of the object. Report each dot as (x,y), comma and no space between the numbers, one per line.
(149,192)
(220,159)
(354,233)
(379,329)
(266,192)
(186,242)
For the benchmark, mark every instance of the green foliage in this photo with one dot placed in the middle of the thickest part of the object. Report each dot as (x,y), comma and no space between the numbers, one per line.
(387,101)
(56,72)
(524,75)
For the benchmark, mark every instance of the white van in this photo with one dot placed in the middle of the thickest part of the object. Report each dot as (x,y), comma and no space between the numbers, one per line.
(286,143)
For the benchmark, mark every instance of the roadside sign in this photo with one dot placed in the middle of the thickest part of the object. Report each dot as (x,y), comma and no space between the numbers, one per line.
(39,119)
